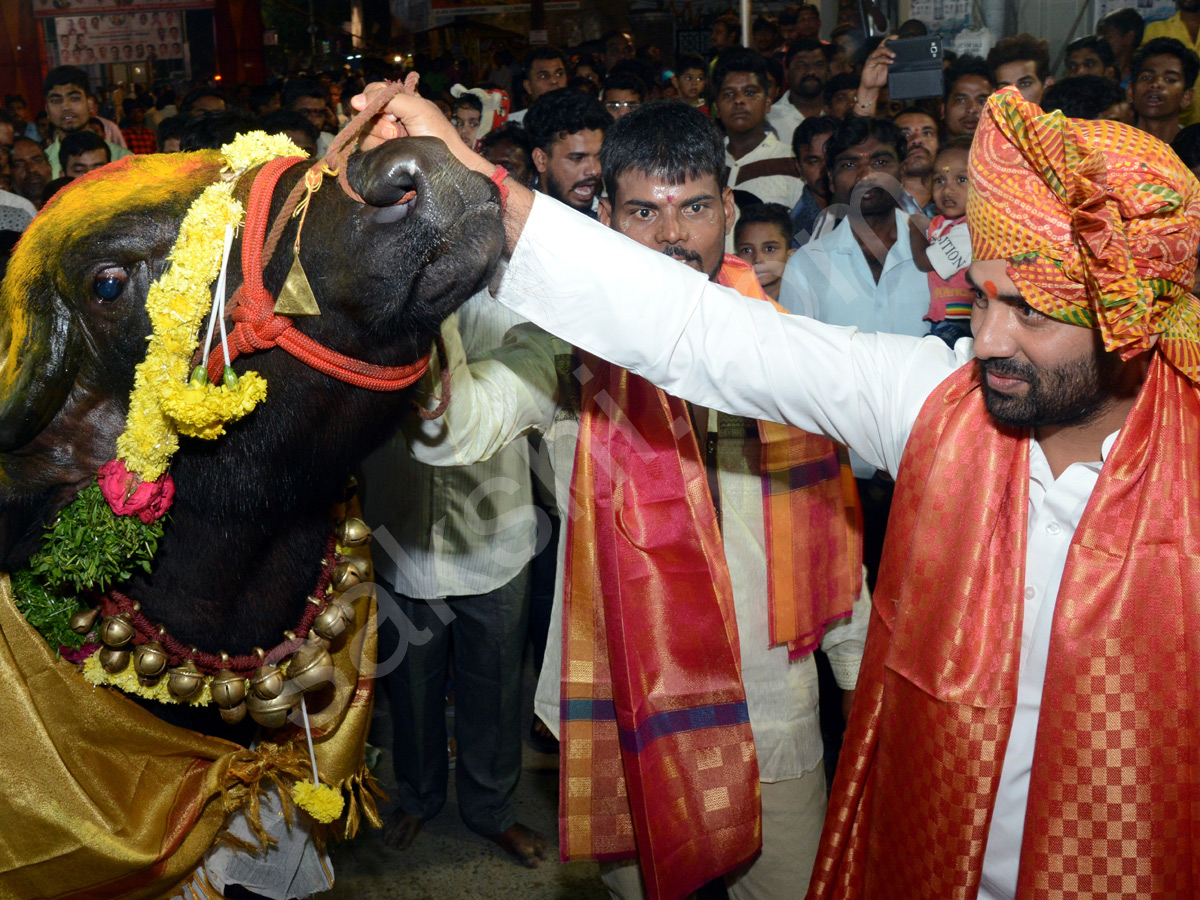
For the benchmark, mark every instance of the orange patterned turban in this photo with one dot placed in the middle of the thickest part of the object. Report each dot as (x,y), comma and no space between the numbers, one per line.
(1099,222)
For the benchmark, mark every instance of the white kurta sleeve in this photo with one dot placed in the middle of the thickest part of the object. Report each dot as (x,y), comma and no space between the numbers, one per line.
(642,310)
(493,400)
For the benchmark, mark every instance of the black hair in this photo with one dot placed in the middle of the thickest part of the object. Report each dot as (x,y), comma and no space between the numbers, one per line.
(82,141)
(260,96)
(765,22)
(594,62)
(1126,21)
(789,16)
(843,81)
(511,132)
(192,96)
(853,130)
(540,53)
(807,45)
(691,61)
(625,81)
(765,214)
(282,120)
(1020,48)
(1165,46)
(66,75)
(583,85)
(10,99)
(170,127)
(665,139)
(298,89)
(738,59)
(468,99)
(911,28)
(775,71)
(731,23)
(962,67)
(958,142)
(1187,146)
(213,130)
(563,112)
(1082,96)
(812,127)
(1099,46)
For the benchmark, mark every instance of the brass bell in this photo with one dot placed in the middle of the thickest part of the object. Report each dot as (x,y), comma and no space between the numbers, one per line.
(333,619)
(113,660)
(150,659)
(311,667)
(272,713)
(267,683)
(353,532)
(84,620)
(228,690)
(348,573)
(117,631)
(233,714)
(186,681)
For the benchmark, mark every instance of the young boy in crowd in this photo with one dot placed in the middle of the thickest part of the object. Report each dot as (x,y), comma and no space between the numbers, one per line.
(763,238)
(467,113)
(942,247)
(690,79)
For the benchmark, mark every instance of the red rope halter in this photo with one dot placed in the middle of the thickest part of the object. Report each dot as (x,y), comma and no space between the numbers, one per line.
(258,327)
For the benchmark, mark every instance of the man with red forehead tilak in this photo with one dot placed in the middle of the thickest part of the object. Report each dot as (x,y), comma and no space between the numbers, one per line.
(1026,722)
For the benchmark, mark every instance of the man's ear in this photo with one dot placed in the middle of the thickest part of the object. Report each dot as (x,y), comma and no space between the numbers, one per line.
(791,250)
(528,87)
(541,160)
(1049,81)
(1187,98)
(730,209)
(604,212)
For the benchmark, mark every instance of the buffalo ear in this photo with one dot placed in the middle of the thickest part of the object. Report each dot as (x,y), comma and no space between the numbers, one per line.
(39,358)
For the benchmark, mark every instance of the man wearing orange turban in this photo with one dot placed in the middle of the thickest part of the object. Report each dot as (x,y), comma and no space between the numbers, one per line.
(1027,720)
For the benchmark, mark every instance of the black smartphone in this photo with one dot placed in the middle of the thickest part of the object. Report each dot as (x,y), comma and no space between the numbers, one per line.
(917,69)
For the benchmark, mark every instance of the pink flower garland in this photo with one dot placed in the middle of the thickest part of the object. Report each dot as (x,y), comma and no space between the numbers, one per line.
(128,495)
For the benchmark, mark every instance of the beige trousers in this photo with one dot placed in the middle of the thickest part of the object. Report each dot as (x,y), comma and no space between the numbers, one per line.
(793,813)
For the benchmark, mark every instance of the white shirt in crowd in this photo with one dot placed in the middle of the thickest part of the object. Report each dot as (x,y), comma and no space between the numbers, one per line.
(452,532)
(516,388)
(710,345)
(783,117)
(785,189)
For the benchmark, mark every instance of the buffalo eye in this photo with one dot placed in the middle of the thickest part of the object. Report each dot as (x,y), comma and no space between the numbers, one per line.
(109,284)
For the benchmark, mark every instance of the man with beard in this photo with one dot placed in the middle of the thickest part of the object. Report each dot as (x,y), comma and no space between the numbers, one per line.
(664,167)
(1160,86)
(566,129)
(1025,716)
(920,131)
(30,171)
(807,69)
(1184,27)
(859,273)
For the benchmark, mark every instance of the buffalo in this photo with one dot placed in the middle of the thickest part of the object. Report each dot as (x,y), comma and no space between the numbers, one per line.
(245,539)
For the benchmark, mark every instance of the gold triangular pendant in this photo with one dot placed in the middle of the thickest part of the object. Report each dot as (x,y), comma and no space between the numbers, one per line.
(296,296)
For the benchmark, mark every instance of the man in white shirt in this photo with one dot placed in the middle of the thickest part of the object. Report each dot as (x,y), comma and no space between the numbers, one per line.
(991,782)
(683,212)
(545,71)
(455,545)
(807,70)
(761,166)
(862,273)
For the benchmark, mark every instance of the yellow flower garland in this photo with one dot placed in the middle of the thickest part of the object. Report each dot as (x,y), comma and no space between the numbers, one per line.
(163,403)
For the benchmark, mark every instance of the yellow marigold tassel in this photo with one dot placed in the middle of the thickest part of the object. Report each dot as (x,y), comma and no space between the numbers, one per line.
(322,802)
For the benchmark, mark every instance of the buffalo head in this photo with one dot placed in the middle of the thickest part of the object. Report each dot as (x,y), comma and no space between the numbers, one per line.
(73,326)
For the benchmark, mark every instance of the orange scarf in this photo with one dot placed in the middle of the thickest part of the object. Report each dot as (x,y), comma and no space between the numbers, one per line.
(1116,776)
(657,753)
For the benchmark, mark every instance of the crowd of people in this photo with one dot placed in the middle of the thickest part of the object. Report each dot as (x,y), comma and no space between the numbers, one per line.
(782,169)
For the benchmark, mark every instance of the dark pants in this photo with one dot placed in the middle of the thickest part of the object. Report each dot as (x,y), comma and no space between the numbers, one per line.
(488,634)
(876,496)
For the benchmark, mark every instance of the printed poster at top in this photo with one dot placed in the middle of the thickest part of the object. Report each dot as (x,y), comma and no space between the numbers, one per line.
(76,7)
(124,37)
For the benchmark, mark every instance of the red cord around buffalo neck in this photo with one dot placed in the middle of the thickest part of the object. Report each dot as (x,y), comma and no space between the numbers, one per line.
(258,327)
